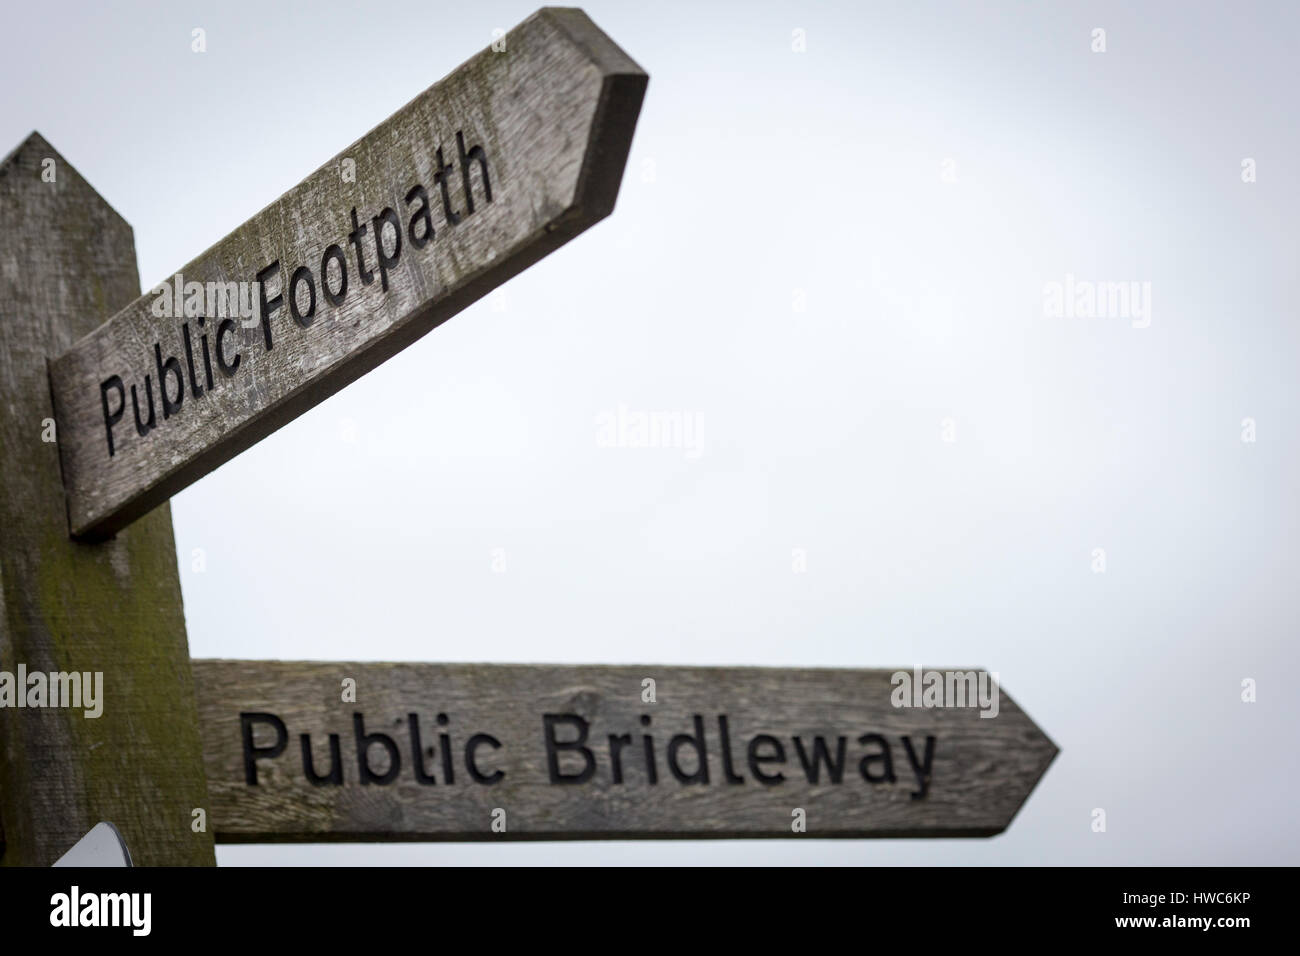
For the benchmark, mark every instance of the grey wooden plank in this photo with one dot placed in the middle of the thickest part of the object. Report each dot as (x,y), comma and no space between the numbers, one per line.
(67,261)
(493,167)
(980,769)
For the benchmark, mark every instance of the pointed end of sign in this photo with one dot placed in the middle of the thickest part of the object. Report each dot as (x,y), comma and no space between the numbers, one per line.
(622,91)
(1041,751)
(102,846)
(591,39)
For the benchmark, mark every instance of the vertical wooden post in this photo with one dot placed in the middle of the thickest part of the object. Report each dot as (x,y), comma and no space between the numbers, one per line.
(67,261)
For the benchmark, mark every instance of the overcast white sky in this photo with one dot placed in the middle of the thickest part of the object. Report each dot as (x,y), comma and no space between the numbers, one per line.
(824,257)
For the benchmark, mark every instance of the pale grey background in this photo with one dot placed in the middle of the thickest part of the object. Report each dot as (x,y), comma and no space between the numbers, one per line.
(775,172)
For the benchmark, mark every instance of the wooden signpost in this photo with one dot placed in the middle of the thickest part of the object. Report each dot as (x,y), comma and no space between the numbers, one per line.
(67,261)
(294,752)
(493,167)
(513,154)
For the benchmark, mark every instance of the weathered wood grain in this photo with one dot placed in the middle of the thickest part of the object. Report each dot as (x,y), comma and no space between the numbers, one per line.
(67,261)
(550,118)
(982,769)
